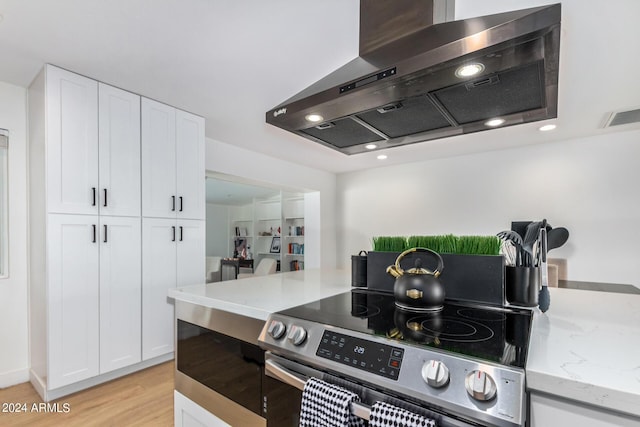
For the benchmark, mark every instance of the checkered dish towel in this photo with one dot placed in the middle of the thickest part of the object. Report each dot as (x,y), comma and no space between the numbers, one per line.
(327,405)
(386,415)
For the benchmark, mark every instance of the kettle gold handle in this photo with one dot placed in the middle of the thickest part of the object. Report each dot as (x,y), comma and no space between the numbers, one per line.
(396,270)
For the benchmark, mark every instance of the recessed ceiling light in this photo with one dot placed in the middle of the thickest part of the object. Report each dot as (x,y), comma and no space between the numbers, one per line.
(546,128)
(469,70)
(382,156)
(371,146)
(314,118)
(494,122)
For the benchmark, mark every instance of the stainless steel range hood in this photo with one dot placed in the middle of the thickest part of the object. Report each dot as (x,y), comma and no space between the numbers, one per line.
(407,85)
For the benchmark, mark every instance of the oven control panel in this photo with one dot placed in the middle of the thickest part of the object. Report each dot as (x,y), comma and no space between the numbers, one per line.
(379,359)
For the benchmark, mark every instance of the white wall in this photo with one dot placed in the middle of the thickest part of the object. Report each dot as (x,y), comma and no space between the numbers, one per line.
(589,185)
(218,230)
(13,290)
(228,159)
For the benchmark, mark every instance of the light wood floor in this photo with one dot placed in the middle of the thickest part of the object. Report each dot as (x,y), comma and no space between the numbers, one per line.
(144,398)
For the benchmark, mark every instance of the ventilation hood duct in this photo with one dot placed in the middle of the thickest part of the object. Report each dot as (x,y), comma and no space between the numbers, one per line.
(406,85)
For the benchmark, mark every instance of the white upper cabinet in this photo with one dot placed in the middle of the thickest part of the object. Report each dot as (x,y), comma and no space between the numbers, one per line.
(158,160)
(72,141)
(173,170)
(119,147)
(190,165)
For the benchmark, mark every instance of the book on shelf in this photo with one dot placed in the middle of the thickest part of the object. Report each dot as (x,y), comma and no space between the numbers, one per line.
(296,248)
(296,265)
(296,230)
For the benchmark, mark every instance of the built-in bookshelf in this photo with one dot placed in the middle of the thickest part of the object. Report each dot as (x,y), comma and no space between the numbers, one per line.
(271,227)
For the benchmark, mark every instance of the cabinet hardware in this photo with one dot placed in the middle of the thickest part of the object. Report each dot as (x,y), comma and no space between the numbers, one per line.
(105,231)
(105,197)
(180,203)
(94,232)
(181,233)
(173,203)
(93,190)
(173,228)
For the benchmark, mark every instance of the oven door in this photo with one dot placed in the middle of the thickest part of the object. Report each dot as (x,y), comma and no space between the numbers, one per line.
(220,372)
(285,380)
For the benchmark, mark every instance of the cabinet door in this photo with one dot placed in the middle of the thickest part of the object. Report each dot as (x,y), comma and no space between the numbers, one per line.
(191,252)
(159,198)
(119,147)
(190,165)
(187,413)
(158,276)
(72,142)
(120,292)
(72,253)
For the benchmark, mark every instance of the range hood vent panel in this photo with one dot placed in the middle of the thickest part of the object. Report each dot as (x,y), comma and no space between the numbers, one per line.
(520,54)
(344,133)
(509,92)
(418,114)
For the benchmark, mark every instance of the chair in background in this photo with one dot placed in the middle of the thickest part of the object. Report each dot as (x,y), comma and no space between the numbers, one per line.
(213,270)
(265,266)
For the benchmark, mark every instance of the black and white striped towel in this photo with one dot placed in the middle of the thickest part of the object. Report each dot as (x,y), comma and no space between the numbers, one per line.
(386,415)
(327,405)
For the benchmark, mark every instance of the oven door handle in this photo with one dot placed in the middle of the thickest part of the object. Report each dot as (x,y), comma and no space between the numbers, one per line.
(279,372)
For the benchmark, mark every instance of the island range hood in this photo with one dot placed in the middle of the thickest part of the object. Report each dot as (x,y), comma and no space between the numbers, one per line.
(417,80)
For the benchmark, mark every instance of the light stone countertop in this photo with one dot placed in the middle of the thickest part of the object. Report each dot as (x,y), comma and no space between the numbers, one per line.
(257,297)
(587,348)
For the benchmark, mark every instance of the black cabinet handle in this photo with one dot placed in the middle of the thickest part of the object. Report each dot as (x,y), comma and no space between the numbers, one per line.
(93,190)
(180,203)
(173,203)
(173,228)
(105,197)
(94,232)
(105,232)
(181,233)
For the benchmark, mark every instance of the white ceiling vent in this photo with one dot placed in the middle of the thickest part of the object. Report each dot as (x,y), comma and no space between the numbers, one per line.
(623,118)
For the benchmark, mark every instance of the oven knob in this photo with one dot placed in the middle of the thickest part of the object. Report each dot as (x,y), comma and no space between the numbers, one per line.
(480,385)
(276,329)
(297,335)
(435,373)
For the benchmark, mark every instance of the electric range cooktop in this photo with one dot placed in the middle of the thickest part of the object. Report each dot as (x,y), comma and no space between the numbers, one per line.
(494,334)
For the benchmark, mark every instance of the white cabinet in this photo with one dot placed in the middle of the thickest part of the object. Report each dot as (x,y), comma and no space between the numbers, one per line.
(119,148)
(173,254)
(190,166)
(547,410)
(120,292)
(173,171)
(187,413)
(94,295)
(73,317)
(72,142)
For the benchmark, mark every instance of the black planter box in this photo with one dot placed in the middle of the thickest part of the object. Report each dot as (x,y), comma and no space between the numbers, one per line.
(475,278)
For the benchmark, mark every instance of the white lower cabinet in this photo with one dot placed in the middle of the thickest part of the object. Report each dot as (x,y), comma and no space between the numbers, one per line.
(187,413)
(72,299)
(173,254)
(120,292)
(93,296)
(547,410)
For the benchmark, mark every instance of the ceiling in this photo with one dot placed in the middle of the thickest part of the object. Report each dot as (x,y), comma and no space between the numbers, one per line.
(232,60)
(230,193)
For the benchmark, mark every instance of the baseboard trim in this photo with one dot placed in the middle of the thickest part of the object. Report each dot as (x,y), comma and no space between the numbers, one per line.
(47,395)
(19,376)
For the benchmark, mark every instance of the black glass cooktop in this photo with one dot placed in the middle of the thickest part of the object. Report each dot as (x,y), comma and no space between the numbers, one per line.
(493,334)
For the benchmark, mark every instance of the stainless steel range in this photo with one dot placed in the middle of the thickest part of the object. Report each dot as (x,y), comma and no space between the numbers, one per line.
(461,366)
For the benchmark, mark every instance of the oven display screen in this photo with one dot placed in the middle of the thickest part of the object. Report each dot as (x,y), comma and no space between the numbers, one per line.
(379,359)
